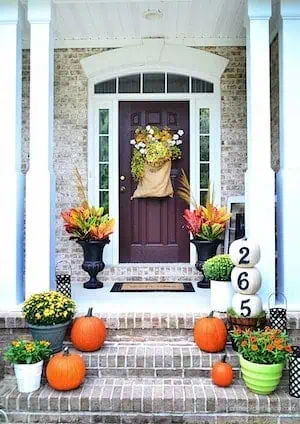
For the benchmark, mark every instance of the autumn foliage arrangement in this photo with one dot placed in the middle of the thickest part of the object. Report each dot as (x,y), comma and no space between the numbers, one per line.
(266,346)
(87,222)
(203,222)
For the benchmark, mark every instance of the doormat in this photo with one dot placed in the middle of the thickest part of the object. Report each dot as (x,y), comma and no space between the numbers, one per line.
(152,287)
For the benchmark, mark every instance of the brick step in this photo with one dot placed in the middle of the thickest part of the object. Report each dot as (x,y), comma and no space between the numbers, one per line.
(151,359)
(154,360)
(141,360)
(104,398)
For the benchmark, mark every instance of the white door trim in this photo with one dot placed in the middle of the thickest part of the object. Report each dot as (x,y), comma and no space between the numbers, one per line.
(111,102)
(213,67)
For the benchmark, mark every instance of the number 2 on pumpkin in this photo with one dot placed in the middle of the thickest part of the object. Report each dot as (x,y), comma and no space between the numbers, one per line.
(245,252)
(245,308)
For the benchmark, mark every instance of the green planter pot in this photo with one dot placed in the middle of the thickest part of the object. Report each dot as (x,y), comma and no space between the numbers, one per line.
(261,378)
(54,334)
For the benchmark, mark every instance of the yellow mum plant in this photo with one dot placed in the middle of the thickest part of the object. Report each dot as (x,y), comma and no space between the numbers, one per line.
(48,308)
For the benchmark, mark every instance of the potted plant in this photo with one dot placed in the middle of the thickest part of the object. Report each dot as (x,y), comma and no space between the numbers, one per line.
(27,359)
(48,316)
(218,270)
(91,228)
(206,224)
(234,321)
(154,150)
(263,354)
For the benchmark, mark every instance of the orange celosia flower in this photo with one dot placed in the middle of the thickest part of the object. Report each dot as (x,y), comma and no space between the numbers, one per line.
(270,347)
(254,347)
(253,339)
(279,347)
(244,343)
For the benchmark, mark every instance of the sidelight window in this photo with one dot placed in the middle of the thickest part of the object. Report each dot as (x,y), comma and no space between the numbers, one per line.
(204,140)
(104,158)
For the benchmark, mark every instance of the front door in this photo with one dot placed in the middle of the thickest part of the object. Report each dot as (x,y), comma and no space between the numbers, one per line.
(151,230)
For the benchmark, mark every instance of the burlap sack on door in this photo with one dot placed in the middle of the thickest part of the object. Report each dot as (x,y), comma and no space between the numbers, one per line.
(156,182)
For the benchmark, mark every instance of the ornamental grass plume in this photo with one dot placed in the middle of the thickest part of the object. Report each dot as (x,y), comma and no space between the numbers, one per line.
(203,222)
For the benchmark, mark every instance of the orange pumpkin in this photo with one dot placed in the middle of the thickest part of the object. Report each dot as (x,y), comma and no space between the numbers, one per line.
(210,334)
(88,333)
(65,370)
(222,373)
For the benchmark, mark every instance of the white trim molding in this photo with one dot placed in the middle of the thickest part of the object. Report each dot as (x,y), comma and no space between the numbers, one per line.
(206,65)
(158,57)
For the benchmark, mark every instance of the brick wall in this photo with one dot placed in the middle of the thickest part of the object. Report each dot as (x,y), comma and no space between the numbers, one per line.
(70,131)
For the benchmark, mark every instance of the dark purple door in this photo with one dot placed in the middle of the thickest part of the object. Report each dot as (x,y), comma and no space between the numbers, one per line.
(151,229)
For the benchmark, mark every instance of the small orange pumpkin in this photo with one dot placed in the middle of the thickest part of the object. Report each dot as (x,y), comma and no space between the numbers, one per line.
(222,373)
(88,333)
(65,370)
(210,334)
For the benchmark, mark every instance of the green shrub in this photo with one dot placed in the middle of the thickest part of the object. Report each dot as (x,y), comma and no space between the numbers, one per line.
(218,268)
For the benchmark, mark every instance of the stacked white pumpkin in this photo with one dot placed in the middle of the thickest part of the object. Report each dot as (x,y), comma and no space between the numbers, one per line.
(245,278)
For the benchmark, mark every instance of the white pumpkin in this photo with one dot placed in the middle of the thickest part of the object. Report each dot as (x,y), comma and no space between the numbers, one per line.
(245,280)
(247,306)
(244,253)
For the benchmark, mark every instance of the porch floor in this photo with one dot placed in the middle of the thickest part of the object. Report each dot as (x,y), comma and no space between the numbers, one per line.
(102,300)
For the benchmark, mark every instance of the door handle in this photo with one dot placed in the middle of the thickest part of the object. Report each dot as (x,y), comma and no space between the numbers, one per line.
(122,189)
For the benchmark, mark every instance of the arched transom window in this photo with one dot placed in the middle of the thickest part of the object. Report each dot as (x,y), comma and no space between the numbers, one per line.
(150,82)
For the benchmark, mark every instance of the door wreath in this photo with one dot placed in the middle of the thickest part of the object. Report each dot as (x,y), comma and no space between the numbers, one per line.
(154,150)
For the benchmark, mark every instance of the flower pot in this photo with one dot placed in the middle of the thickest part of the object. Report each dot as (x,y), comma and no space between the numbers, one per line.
(28,376)
(54,334)
(262,379)
(93,261)
(205,250)
(221,293)
(244,324)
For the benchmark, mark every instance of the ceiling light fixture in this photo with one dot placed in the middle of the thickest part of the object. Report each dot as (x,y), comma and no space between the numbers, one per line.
(153,14)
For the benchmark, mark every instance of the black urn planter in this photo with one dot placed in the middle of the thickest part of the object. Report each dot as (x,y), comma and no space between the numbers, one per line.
(93,261)
(205,250)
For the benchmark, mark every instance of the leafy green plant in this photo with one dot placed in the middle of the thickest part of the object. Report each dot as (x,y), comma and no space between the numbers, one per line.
(218,268)
(267,346)
(24,352)
(48,308)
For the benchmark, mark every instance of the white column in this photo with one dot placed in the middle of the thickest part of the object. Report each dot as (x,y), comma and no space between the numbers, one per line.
(288,178)
(40,183)
(11,178)
(259,180)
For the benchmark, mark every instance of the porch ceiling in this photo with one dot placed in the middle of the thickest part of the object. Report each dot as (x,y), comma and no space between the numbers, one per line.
(84,23)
